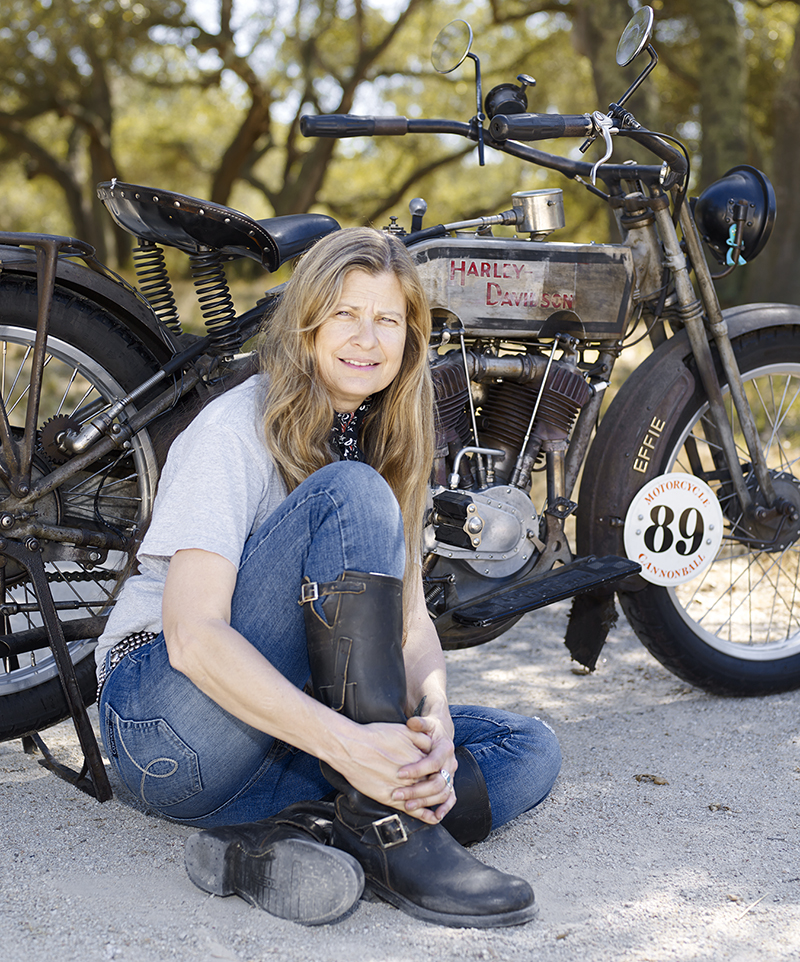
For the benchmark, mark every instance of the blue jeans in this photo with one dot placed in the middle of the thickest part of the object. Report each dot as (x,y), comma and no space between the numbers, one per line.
(187,758)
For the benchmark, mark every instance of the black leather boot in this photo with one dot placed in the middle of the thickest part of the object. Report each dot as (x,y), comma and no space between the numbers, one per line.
(470,819)
(356,658)
(282,864)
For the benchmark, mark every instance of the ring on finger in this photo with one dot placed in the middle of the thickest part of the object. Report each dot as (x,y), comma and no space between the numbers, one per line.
(448,780)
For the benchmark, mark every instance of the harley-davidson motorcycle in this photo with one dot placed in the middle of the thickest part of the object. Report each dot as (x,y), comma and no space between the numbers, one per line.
(680,498)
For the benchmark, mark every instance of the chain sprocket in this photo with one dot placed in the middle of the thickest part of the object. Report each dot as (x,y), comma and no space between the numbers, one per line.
(49,434)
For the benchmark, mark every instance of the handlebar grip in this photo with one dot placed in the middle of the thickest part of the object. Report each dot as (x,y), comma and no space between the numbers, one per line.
(350,125)
(539,126)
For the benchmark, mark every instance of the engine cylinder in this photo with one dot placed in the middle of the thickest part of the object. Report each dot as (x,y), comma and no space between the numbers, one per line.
(506,414)
(564,395)
(451,394)
(504,420)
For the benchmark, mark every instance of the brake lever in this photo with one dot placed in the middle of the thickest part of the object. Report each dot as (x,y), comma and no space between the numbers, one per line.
(606,127)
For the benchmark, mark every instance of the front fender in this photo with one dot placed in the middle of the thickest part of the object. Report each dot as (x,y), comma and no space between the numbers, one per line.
(114,296)
(625,451)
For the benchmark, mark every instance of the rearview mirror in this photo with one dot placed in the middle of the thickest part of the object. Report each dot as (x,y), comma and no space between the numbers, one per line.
(635,36)
(451,47)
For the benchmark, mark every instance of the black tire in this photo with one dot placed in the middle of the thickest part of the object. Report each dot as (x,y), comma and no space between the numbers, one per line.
(735,629)
(93,357)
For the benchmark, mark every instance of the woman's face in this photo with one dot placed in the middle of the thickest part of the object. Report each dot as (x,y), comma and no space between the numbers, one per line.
(359,347)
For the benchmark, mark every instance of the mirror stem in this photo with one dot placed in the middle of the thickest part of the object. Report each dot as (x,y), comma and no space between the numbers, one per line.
(640,79)
(480,117)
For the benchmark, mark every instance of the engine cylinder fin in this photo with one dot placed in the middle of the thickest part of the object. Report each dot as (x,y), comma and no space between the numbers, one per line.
(506,413)
(562,398)
(451,394)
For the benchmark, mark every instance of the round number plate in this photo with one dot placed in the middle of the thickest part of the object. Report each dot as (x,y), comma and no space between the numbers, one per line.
(673,528)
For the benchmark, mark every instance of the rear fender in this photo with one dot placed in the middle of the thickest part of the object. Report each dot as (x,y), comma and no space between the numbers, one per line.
(114,296)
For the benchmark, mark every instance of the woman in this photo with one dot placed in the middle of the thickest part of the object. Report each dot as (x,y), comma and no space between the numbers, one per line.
(260,658)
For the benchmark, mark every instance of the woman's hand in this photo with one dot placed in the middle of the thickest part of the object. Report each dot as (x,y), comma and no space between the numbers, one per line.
(429,796)
(401,765)
(371,756)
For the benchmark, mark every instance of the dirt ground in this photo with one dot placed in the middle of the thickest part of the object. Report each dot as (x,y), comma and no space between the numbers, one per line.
(671,834)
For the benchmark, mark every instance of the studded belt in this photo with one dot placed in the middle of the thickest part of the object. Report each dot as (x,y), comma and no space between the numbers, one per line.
(117,653)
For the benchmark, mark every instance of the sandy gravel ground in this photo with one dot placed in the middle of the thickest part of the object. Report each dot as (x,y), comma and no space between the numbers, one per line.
(698,860)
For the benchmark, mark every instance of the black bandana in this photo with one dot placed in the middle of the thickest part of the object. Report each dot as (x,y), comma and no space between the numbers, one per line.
(344,433)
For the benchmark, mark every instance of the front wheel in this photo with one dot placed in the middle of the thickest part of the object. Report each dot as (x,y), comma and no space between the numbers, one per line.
(735,628)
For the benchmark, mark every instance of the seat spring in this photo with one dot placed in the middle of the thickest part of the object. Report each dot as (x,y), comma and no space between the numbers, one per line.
(155,285)
(216,303)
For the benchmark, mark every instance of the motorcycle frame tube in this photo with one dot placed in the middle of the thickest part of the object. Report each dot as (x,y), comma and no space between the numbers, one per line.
(719,331)
(140,420)
(691,310)
(78,629)
(582,432)
(20,456)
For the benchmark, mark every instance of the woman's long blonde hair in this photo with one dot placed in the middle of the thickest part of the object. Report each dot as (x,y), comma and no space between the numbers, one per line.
(398,435)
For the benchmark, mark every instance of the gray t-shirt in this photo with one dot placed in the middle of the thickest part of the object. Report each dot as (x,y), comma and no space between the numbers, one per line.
(219,484)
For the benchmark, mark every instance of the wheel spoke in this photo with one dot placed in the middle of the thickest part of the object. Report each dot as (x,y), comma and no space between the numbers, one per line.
(746,601)
(62,402)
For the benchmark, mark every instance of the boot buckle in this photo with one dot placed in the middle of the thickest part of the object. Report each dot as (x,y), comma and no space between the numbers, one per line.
(390,831)
(309,591)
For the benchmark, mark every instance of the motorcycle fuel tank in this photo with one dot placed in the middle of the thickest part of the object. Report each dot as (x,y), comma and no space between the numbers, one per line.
(510,288)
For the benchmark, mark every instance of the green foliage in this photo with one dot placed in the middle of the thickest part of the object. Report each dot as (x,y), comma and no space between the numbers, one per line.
(59,63)
(145,91)
(769,34)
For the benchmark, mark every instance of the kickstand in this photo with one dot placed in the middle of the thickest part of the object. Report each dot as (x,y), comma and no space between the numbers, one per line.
(92,777)
(83,779)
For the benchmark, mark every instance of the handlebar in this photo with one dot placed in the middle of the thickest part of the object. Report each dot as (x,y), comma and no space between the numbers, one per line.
(504,134)
(350,125)
(546,126)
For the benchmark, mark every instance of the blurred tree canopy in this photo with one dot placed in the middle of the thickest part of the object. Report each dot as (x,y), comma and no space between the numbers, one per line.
(205,96)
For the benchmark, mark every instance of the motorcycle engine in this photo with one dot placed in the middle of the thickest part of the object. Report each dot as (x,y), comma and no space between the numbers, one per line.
(495,530)
(504,410)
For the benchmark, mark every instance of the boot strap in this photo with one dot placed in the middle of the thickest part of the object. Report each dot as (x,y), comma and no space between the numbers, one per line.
(312,590)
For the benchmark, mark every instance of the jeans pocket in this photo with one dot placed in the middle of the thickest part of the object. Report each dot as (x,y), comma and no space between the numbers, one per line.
(155,763)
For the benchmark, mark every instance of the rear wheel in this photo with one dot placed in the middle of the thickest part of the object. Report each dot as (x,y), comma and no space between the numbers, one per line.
(92,359)
(735,628)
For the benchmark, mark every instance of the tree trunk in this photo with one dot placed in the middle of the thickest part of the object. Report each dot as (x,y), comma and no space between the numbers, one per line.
(775,277)
(45,164)
(597,27)
(721,75)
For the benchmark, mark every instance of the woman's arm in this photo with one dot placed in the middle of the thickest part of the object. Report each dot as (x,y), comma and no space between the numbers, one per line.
(426,674)
(226,667)
(429,712)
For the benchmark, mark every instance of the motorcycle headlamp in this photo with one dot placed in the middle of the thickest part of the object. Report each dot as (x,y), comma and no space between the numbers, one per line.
(740,203)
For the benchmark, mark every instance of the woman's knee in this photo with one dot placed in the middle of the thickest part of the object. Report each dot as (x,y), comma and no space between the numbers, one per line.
(548,751)
(358,482)
(363,500)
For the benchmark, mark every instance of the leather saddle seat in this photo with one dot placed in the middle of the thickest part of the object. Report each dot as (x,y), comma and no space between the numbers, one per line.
(193,225)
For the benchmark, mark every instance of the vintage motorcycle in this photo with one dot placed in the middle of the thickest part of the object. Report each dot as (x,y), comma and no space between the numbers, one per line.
(688,502)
